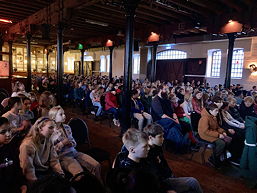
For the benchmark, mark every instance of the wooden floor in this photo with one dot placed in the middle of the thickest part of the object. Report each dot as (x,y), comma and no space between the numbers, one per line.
(226,180)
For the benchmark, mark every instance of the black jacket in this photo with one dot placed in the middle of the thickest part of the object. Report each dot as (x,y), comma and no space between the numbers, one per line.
(11,177)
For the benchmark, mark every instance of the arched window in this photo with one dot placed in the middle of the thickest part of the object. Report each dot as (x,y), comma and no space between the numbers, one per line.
(215,63)
(237,63)
(108,63)
(171,54)
(136,63)
(102,64)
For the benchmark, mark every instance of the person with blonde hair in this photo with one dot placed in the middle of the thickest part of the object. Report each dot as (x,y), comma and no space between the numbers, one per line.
(71,160)
(246,107)
(38,157)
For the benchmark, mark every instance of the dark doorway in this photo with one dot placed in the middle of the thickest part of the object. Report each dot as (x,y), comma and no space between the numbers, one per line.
(181,69)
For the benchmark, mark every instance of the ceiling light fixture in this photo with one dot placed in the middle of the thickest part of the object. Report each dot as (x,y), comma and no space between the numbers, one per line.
(96,22)
(5,21)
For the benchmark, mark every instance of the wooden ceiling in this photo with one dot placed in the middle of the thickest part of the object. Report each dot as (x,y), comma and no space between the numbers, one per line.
(93,21)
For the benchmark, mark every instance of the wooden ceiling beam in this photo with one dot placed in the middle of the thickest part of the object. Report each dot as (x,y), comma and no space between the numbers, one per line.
(167,13)
(23,4)
(138,16)
(10,11)
(211,6)
(40,16)
(190,6)
(105,17)
(116,13)
(149,14)
(234,5)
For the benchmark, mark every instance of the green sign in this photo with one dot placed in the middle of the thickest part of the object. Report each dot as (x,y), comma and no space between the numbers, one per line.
(80,46)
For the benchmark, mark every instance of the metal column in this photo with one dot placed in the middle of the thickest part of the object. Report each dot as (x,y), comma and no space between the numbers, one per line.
(59,63)
(10,59)
(29,62)
(153,66)
(82,62)
(130,7)
(110,67)
(231,39)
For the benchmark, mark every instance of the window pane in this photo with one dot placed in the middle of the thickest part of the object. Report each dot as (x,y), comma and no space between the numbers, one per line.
(171,54)
(237,63)
(216,62)
(136,63)
(102,64)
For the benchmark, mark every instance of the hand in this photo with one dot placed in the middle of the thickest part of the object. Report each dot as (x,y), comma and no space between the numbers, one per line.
(23,189)
(171,191)
(21,128)
(59,146)
(225,134)
(232,131)
(221,136)
(26,123)
(242,126)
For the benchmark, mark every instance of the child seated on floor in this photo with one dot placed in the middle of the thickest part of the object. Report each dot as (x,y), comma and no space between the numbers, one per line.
(159,164)
(64,144)
(11,177)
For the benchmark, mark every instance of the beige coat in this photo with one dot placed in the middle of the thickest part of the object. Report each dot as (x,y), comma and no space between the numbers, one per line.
(208,127)
(33,159)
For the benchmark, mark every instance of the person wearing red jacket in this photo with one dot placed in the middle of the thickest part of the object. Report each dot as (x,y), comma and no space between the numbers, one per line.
(111,105)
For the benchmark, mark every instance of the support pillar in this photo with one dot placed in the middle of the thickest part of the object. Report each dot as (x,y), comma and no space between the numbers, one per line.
(10,59)
(1,49)
(130,7)
(110,66)
(47,62)
(82,62)
(59,63)
(153,66)
(231,39)
(28,62)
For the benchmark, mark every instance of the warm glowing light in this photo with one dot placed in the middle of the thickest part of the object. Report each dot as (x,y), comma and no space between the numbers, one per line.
(5,21)
(109,43)
(230,21)
(154,37)
(254,74)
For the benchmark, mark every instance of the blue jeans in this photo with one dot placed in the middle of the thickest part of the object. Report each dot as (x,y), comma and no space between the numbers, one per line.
(184,185)
(99,110)
(115,112)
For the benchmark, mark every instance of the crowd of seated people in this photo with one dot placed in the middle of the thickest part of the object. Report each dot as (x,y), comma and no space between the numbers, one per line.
(44,144)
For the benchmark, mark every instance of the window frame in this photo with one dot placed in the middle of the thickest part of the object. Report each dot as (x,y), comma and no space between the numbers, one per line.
(215,72)
(235,68)
(162,56)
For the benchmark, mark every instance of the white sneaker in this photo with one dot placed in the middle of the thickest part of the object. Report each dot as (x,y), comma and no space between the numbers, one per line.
(92,112)
(115,122)
(118,123)
(228,154)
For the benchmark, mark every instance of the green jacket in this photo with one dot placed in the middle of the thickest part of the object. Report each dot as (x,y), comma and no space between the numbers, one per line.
(248,162)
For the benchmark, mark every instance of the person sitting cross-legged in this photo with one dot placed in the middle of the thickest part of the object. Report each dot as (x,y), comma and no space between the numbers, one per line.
(137,109)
